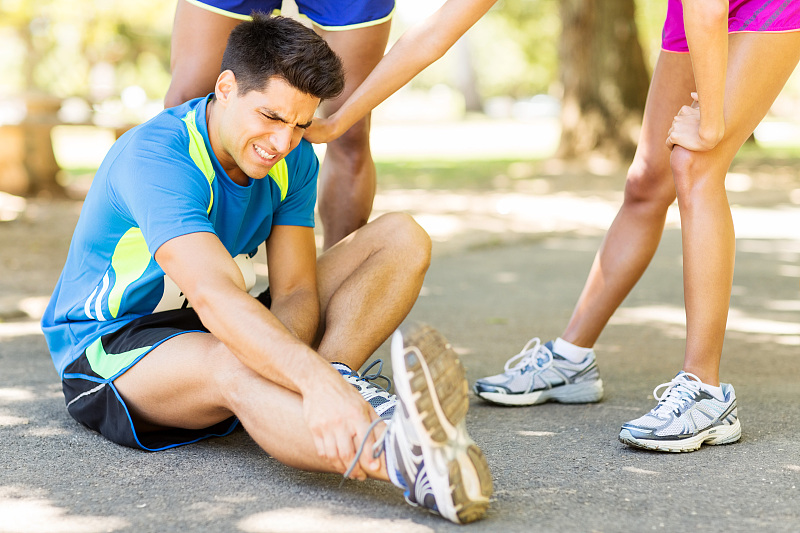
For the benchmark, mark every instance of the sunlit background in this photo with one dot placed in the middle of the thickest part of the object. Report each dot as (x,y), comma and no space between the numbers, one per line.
(467,147)
(91,69)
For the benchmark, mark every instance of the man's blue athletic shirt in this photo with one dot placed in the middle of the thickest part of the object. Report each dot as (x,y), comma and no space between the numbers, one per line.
(159,181)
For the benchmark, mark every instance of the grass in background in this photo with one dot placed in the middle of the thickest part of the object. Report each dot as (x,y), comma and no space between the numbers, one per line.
(80,151)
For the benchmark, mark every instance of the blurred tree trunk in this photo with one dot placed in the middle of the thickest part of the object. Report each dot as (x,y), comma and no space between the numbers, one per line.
(466,79)
(29,165)
(604,77)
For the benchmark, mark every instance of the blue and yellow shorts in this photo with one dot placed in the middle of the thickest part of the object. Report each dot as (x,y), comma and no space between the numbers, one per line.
(330,15)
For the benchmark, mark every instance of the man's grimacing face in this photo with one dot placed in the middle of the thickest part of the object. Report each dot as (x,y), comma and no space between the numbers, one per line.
(259,128)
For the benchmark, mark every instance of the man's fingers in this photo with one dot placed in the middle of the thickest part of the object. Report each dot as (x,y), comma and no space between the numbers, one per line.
(331,452)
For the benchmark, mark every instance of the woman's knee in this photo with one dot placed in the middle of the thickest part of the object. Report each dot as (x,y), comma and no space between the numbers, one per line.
(693,175)
(649,186)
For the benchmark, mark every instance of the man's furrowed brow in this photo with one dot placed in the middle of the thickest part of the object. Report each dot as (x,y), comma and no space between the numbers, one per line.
(271,113)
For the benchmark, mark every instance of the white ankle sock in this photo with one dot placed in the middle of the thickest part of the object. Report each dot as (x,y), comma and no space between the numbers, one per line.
(569,351)
(716,392)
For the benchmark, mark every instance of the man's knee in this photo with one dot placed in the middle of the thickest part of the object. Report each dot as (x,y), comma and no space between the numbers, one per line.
(406,237)
(179,92)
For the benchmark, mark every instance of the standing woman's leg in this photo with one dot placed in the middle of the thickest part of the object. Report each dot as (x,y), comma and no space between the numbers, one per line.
(758,66)
(634,235)
(198,41)
(626,251)
(347,177)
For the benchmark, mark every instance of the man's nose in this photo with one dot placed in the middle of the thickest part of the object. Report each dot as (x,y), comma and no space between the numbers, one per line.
(282,138)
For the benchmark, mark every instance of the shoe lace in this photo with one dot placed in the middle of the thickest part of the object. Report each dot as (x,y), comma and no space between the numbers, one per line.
(533,354)
(679,392)
(378,447)
(370,379)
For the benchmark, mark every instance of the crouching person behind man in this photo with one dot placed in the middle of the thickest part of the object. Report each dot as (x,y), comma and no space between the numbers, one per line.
(158,342)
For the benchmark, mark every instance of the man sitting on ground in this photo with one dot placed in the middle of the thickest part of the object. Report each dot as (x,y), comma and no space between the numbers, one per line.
(158,341)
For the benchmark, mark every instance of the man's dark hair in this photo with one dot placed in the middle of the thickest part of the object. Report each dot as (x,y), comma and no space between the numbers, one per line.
(267,46)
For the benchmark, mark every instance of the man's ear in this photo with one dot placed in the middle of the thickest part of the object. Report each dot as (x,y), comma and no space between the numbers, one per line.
(225,86)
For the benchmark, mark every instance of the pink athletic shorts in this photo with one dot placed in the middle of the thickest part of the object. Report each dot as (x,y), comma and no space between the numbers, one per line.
(763,16)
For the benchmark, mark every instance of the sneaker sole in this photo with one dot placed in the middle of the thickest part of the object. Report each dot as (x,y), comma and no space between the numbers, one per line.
(435,381)
(725,434)
(585,392)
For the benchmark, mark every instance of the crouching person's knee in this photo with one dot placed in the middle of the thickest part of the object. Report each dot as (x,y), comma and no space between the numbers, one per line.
(407,239)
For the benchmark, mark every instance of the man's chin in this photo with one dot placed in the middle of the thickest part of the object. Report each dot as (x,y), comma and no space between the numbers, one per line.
(260,171)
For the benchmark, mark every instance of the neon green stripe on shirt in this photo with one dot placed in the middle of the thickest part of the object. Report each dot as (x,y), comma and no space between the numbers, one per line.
(130,260)
(199,154)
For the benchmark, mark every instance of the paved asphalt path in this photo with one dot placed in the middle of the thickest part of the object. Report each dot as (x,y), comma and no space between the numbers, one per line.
(556,467)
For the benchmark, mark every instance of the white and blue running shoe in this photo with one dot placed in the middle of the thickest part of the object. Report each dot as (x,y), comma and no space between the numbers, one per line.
(378,397)
(537,375)
(686,417)
(428,451)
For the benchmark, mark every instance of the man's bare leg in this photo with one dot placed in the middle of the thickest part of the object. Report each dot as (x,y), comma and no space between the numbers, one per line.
(347,177)
(367,285)
(193,381)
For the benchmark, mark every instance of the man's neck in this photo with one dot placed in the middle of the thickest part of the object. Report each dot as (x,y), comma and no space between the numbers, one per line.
(225,160)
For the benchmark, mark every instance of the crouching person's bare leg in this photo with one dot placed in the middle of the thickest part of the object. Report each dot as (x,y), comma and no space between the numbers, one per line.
(367,285)
(193,381)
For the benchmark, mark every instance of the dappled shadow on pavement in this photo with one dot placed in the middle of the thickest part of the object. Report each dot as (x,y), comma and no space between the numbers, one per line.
(508,265)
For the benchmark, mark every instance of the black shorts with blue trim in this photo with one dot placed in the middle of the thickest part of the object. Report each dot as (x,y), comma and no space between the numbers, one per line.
(94,401)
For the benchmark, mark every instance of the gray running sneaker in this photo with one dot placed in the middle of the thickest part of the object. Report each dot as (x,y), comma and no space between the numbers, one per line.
(378,397)
(428,451)
(537,375)
(685,418)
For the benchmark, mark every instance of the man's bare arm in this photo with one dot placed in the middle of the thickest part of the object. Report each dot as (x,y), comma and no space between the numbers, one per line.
(293,280)
(211,281)
(336,415)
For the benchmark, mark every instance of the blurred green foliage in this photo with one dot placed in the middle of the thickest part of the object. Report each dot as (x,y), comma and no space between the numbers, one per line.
(87,48)
(96,48)
(515,47)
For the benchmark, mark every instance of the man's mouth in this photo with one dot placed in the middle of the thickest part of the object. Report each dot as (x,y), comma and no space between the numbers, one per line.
(263,154)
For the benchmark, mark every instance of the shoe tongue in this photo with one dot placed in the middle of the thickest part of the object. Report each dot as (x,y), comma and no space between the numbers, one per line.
(342,368)
(542,357)
(683,376)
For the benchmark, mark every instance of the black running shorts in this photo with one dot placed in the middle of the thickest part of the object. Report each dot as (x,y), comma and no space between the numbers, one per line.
(93,400)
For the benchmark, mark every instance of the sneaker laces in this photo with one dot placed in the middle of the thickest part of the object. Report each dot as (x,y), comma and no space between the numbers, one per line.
(377,448)
(371,378)
(683,388)
(528,355)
